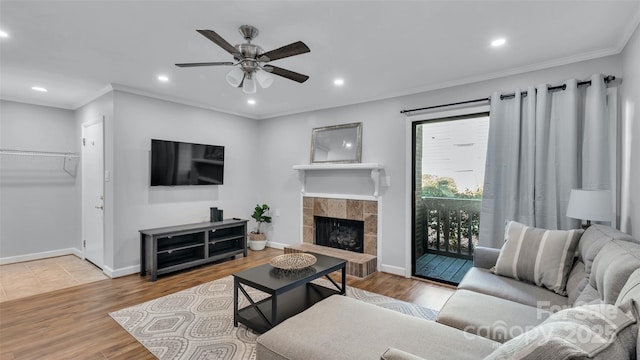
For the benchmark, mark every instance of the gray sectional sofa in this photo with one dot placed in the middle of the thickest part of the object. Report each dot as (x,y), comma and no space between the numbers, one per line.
(488,317)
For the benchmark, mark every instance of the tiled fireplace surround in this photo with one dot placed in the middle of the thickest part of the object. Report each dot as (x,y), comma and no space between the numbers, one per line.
(358,264)
(363,210)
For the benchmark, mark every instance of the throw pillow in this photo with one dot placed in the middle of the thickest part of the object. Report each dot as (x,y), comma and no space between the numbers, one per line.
(601,331)
(540,256)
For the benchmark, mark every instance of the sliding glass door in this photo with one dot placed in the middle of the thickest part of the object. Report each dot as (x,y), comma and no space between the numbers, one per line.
(448,174)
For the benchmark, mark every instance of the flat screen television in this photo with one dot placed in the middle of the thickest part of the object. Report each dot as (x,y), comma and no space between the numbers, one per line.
(179,163)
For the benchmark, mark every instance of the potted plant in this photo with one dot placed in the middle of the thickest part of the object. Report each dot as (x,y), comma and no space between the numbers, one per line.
(258,239)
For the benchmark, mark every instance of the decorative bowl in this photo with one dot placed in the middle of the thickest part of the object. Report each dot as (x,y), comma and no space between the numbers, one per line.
(293,261)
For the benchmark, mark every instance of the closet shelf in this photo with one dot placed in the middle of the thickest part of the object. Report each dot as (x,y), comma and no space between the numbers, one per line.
(38,153)
(69,160)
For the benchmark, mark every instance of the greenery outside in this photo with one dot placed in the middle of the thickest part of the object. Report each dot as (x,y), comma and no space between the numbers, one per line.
(438,186)
(444,205)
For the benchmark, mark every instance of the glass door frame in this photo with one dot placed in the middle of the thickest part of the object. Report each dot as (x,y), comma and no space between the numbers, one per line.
(411,122)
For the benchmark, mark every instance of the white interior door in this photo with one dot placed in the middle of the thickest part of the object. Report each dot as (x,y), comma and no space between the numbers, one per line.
(93,193)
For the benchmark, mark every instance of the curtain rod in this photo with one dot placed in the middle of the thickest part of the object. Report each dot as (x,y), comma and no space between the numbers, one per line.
(607,79)
(444,105)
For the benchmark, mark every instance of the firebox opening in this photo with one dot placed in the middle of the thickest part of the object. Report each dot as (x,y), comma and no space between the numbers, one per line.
(339,233)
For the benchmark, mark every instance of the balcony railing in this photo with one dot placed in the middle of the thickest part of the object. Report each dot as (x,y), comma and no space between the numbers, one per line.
(447,226)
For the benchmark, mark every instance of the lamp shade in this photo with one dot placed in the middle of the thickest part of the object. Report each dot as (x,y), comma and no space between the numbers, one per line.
(235,76)
(590,205)
(264,78)
(249,85)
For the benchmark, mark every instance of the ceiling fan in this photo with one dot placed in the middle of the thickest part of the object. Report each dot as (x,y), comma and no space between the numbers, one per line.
(251,62)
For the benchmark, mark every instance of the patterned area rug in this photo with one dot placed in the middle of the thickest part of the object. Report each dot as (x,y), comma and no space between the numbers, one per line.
(197,323)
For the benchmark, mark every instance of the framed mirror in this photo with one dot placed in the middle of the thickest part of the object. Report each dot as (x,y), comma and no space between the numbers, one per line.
(337,144)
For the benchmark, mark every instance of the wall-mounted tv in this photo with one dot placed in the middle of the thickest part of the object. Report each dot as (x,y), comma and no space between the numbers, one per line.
(180,163)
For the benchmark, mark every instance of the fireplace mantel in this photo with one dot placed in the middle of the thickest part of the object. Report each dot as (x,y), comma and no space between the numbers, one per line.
(374,168)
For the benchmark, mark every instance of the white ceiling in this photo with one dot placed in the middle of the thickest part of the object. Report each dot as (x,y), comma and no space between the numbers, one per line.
(382,49)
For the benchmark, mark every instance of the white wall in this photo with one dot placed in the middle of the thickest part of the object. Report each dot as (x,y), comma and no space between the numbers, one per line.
(258,168)
(135,205)
(39,213)
(288,140)
(630,217)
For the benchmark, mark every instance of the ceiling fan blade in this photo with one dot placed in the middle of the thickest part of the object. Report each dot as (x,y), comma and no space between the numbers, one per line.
(295,48)
(205,64)
(218,40)
(291,75)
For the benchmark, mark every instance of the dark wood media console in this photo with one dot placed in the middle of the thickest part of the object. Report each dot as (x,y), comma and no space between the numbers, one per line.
(167,249)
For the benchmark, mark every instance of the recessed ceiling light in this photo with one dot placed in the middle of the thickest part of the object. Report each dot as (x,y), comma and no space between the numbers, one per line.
(39,88)
(3,34)
(163,78)
(498,42)
(251,102)
(338,82)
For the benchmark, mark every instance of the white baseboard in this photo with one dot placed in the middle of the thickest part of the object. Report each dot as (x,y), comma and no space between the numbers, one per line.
(395,270)
(277,245)
(121,271)
(40,255)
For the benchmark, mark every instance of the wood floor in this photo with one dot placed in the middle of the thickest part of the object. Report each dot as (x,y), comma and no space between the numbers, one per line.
(73,323)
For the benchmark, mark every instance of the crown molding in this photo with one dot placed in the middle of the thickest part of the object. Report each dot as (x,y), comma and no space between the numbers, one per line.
(617,49)
(36,102)
(149,94)
(472,79)
(629,31)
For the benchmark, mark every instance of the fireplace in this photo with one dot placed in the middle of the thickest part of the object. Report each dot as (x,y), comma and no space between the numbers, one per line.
(349,228)
(339,233)
(362,211)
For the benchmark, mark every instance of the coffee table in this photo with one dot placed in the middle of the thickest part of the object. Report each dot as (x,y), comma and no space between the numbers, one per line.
(290,292)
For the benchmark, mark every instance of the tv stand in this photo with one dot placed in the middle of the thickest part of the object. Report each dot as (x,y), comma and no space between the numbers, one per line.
(167,249)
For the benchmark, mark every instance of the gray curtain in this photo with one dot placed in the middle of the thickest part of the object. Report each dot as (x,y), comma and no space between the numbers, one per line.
(541,146)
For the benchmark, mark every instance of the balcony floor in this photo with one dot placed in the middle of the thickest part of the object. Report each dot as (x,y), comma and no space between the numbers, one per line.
(442,268)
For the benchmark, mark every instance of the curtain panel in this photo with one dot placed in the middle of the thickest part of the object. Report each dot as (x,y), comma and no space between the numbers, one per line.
(541,146)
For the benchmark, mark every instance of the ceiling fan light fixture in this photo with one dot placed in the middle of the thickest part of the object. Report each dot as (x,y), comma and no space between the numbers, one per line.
(249,85)
(235,76)
(264,78)
(249,64)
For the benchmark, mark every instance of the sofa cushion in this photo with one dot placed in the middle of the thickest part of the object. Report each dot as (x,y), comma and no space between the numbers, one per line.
(588,296)
(540,256)
(340,327)
(612,267)
(593,240)
(576,281)
(592,331)
(631,292)
(483,281)
(489,316)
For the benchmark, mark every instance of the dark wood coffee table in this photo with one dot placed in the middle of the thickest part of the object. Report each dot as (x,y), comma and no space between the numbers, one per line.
(290,292)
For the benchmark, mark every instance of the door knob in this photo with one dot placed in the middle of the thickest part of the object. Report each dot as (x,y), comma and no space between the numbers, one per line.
(101,207)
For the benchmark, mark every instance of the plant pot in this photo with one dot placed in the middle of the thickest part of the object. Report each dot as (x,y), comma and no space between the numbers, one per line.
(257,241)
(257,245)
